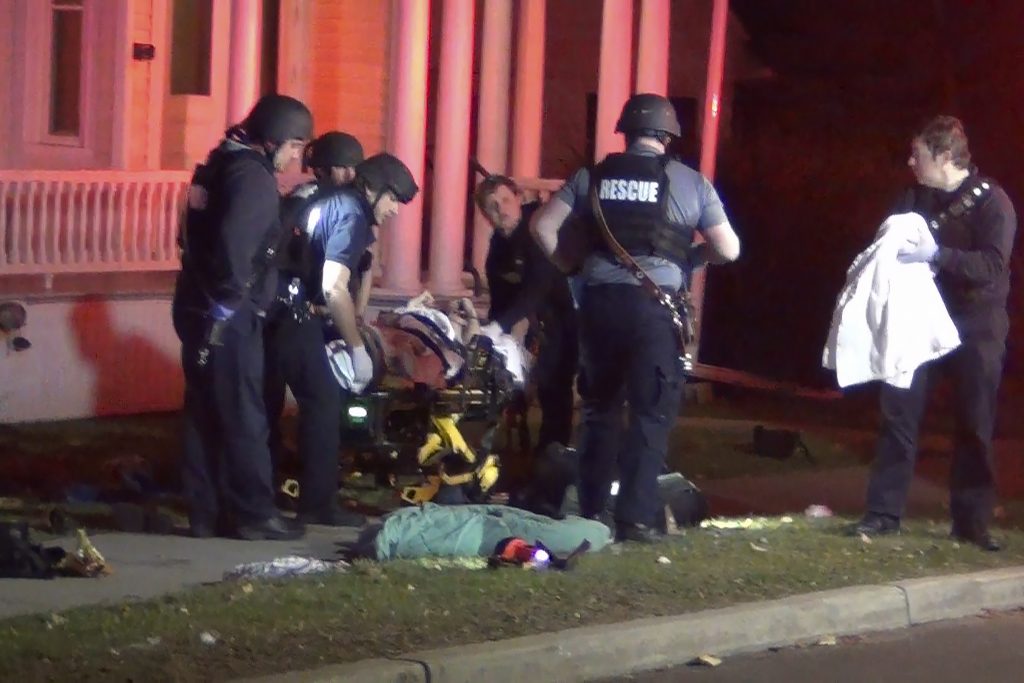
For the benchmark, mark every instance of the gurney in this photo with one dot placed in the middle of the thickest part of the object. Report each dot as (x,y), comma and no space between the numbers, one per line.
(428,386)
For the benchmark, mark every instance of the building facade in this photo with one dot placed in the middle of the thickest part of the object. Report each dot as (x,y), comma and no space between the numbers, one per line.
(106,105)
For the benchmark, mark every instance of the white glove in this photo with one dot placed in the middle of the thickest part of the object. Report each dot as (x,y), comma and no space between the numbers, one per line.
(362,367)
(492,330)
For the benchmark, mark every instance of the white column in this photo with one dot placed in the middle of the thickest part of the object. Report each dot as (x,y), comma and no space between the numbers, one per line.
(244,60)
(652,47)
(709,133)
(614,76)
(526,127)
(492,111)
(451,148)
(402,236)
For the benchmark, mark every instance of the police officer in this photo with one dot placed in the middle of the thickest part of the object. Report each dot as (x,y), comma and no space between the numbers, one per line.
(526,288)
(226,283)
(341,229)
(629,348)
(970,255)
(294,337)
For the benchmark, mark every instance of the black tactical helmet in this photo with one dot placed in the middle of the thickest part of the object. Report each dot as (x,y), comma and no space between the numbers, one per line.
(277,119)
(333,149)
(648,112)
(386,172)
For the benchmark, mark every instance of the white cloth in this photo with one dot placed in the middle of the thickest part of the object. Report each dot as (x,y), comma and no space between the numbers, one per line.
(889,318)
(436,317)
(516,357)
(339,357)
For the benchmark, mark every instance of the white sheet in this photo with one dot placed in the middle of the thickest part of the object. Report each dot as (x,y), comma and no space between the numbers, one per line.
(889,318)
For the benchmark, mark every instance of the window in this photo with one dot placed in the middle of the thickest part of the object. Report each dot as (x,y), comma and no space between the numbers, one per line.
(191,38)
(66,68)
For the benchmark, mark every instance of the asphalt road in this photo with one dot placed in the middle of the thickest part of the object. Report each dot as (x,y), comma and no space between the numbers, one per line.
(979,649)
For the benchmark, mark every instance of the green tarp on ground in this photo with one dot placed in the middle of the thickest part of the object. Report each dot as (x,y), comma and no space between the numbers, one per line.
(474,530)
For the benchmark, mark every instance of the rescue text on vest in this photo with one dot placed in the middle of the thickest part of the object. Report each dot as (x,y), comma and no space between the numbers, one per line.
(629,190)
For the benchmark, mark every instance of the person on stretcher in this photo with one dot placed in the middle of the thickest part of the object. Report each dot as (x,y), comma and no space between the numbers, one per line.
(420,344)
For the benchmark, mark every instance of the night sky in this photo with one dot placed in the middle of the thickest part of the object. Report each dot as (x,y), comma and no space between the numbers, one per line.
(819,152)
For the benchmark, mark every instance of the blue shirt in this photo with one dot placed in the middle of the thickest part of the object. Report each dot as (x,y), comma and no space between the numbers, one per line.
(340,229)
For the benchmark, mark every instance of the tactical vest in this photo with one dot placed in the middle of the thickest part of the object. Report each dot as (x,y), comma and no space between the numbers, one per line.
(294,255)
(634,192)
(199,233)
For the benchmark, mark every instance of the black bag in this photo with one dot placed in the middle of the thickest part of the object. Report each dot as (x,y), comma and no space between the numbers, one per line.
(779,444)
(22,559)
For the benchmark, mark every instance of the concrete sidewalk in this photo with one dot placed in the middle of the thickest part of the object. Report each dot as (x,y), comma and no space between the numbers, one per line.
(148,566)
(601,652)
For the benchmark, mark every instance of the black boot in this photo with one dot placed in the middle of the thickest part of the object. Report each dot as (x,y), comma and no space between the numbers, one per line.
(276,528)
(635,533)
(877,524)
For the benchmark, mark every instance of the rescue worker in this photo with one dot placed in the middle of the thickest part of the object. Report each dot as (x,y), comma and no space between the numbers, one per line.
(630,352)
(226,283)
(294,338)
(970,255)
(342,229)
(527,289)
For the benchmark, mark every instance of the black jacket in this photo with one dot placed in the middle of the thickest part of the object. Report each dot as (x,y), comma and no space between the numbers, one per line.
(973,262)
(523,282)
(231,220)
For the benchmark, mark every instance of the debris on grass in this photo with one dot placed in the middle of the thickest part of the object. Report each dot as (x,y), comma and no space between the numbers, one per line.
(746,523)
(207,638)
(285,567)
(442,563)
(754,546)
(818,512)
(705,660)
(663,560)
(55,619)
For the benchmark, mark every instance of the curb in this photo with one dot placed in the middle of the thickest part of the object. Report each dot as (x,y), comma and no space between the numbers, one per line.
(596,652)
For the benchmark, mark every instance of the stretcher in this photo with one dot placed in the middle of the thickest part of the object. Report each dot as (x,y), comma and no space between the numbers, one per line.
(429,393)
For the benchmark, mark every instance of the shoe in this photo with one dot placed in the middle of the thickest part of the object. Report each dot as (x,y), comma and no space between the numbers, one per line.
(877,524)
(629,532)
(335,515)
(276,528)
(982,539)
(204,527)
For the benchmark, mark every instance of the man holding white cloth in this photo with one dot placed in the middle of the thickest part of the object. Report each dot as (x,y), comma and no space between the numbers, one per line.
(971,230)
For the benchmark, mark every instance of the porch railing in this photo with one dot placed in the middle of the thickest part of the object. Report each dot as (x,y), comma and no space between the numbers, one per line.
(55,222)
(89,221)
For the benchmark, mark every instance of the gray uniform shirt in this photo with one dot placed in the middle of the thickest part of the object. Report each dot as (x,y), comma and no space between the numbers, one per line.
(692,201)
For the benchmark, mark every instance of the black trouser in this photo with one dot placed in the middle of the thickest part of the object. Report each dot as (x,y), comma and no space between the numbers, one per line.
(975,369)
(226,465)
(554,373)
(629,352)
(296,356)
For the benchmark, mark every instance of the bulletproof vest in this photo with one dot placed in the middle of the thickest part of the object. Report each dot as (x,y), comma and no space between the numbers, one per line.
(294,256)
(634,190)
(200,230)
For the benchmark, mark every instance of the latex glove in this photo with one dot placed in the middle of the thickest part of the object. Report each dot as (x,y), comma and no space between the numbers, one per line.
(362,366)
(923,251)
(221,312)
(492,330)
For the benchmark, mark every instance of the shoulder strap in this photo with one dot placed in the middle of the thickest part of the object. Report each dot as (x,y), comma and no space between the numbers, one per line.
(972,195)
(682,320)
